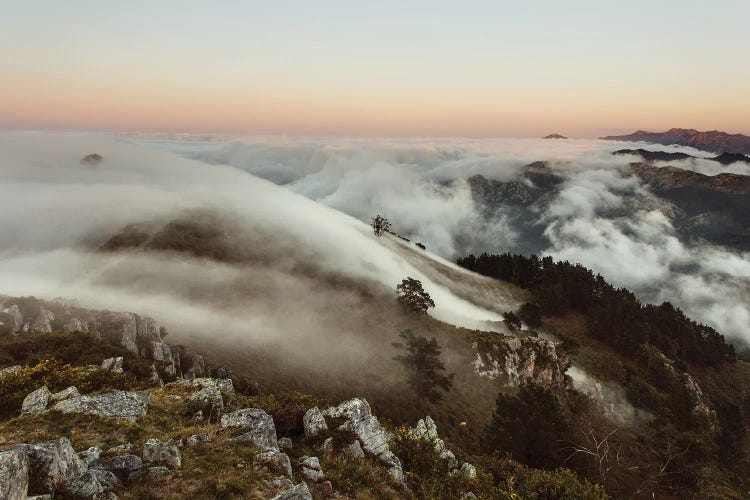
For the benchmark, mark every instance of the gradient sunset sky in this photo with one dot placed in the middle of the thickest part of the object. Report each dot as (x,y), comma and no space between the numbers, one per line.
(578,67)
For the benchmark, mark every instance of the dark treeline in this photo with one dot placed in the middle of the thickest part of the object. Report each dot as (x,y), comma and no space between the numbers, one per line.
(613,315)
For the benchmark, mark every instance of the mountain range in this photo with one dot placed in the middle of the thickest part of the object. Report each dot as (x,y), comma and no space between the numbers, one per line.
(650,156)
(714,141)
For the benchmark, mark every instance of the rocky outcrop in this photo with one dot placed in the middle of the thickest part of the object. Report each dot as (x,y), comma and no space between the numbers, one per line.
(70,392)
(113,364)
(371,434)
(517,360)
(310,469)
(141,335)
(122,466)
(276,458)
(257,425)
(120,404)
(91,485)
(51,463)
(313,422)
(14,475)
(426,430)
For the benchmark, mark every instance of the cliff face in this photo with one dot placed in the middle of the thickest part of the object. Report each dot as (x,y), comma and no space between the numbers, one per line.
(140,335)
(714,140)
(515,361)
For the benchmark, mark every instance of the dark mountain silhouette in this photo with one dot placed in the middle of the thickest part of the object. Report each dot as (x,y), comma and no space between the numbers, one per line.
(714,140)
(554,136)
(650,156)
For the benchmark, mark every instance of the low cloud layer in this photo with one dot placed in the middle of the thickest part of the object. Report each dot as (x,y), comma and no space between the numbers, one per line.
(601,216)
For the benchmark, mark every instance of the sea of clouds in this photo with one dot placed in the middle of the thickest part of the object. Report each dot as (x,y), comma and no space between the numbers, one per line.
(601,216)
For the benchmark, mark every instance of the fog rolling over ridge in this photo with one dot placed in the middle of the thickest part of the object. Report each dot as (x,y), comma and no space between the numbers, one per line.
(599,214)
(266,267)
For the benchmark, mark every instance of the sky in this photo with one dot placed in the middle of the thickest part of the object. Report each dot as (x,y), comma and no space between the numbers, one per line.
(583,68)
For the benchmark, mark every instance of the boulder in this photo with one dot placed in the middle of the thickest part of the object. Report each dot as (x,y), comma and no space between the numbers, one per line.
(51,463)
(314,422)
(70,392)
(90,455)
(222,384)
(468,471)
(285,443)
(37,401)
(91,485)
(14,475)
(280,459)
(113,364)
(156,452)
(299,492)
(208,401)
(327,445)
(311,469)
(426,430)
(259,426)
(120,404)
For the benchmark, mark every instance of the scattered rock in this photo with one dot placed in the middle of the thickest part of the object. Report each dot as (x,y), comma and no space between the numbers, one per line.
(281,459)
(326,487)
(282,483)
(120,404)
(123,466)
(468,471)
(285,443)
(259,425)
(14,475)
(426,430)
(156,452)
(51,463)
(311,469)
(299,492)
(70,392)
(208,401)
(37,401)
(90,455)
(91,485)
(113,364)
(197,439)
(314,423)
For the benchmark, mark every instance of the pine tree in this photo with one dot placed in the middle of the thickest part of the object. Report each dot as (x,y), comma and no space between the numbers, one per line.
(425,368)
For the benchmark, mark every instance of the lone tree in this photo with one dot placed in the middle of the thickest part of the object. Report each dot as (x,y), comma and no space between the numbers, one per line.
(380,225)
(412,295)
(425,368)
(512,321)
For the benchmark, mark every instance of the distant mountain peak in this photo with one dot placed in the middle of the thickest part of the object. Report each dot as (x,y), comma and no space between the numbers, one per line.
(554,136)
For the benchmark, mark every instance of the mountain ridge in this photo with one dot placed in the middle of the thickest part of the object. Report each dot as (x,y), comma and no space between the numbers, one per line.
(714,141)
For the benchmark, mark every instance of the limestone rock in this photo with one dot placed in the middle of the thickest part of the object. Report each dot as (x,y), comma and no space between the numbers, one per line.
(208,400)
(51,463)
(355,450)
(14,475)
(281,459)
(327,445)
(90,455)
(37,401)
(92,485)
(285,443)
(120,404)
(70,392)
(123,466)
(156,452)
(311,469)
(299,492)
(259,426)
(197,439)
(373,438)
(314,422)
(468,471)
(426,430)
(519,360)
(10,369)
(113,364)
(158,471)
